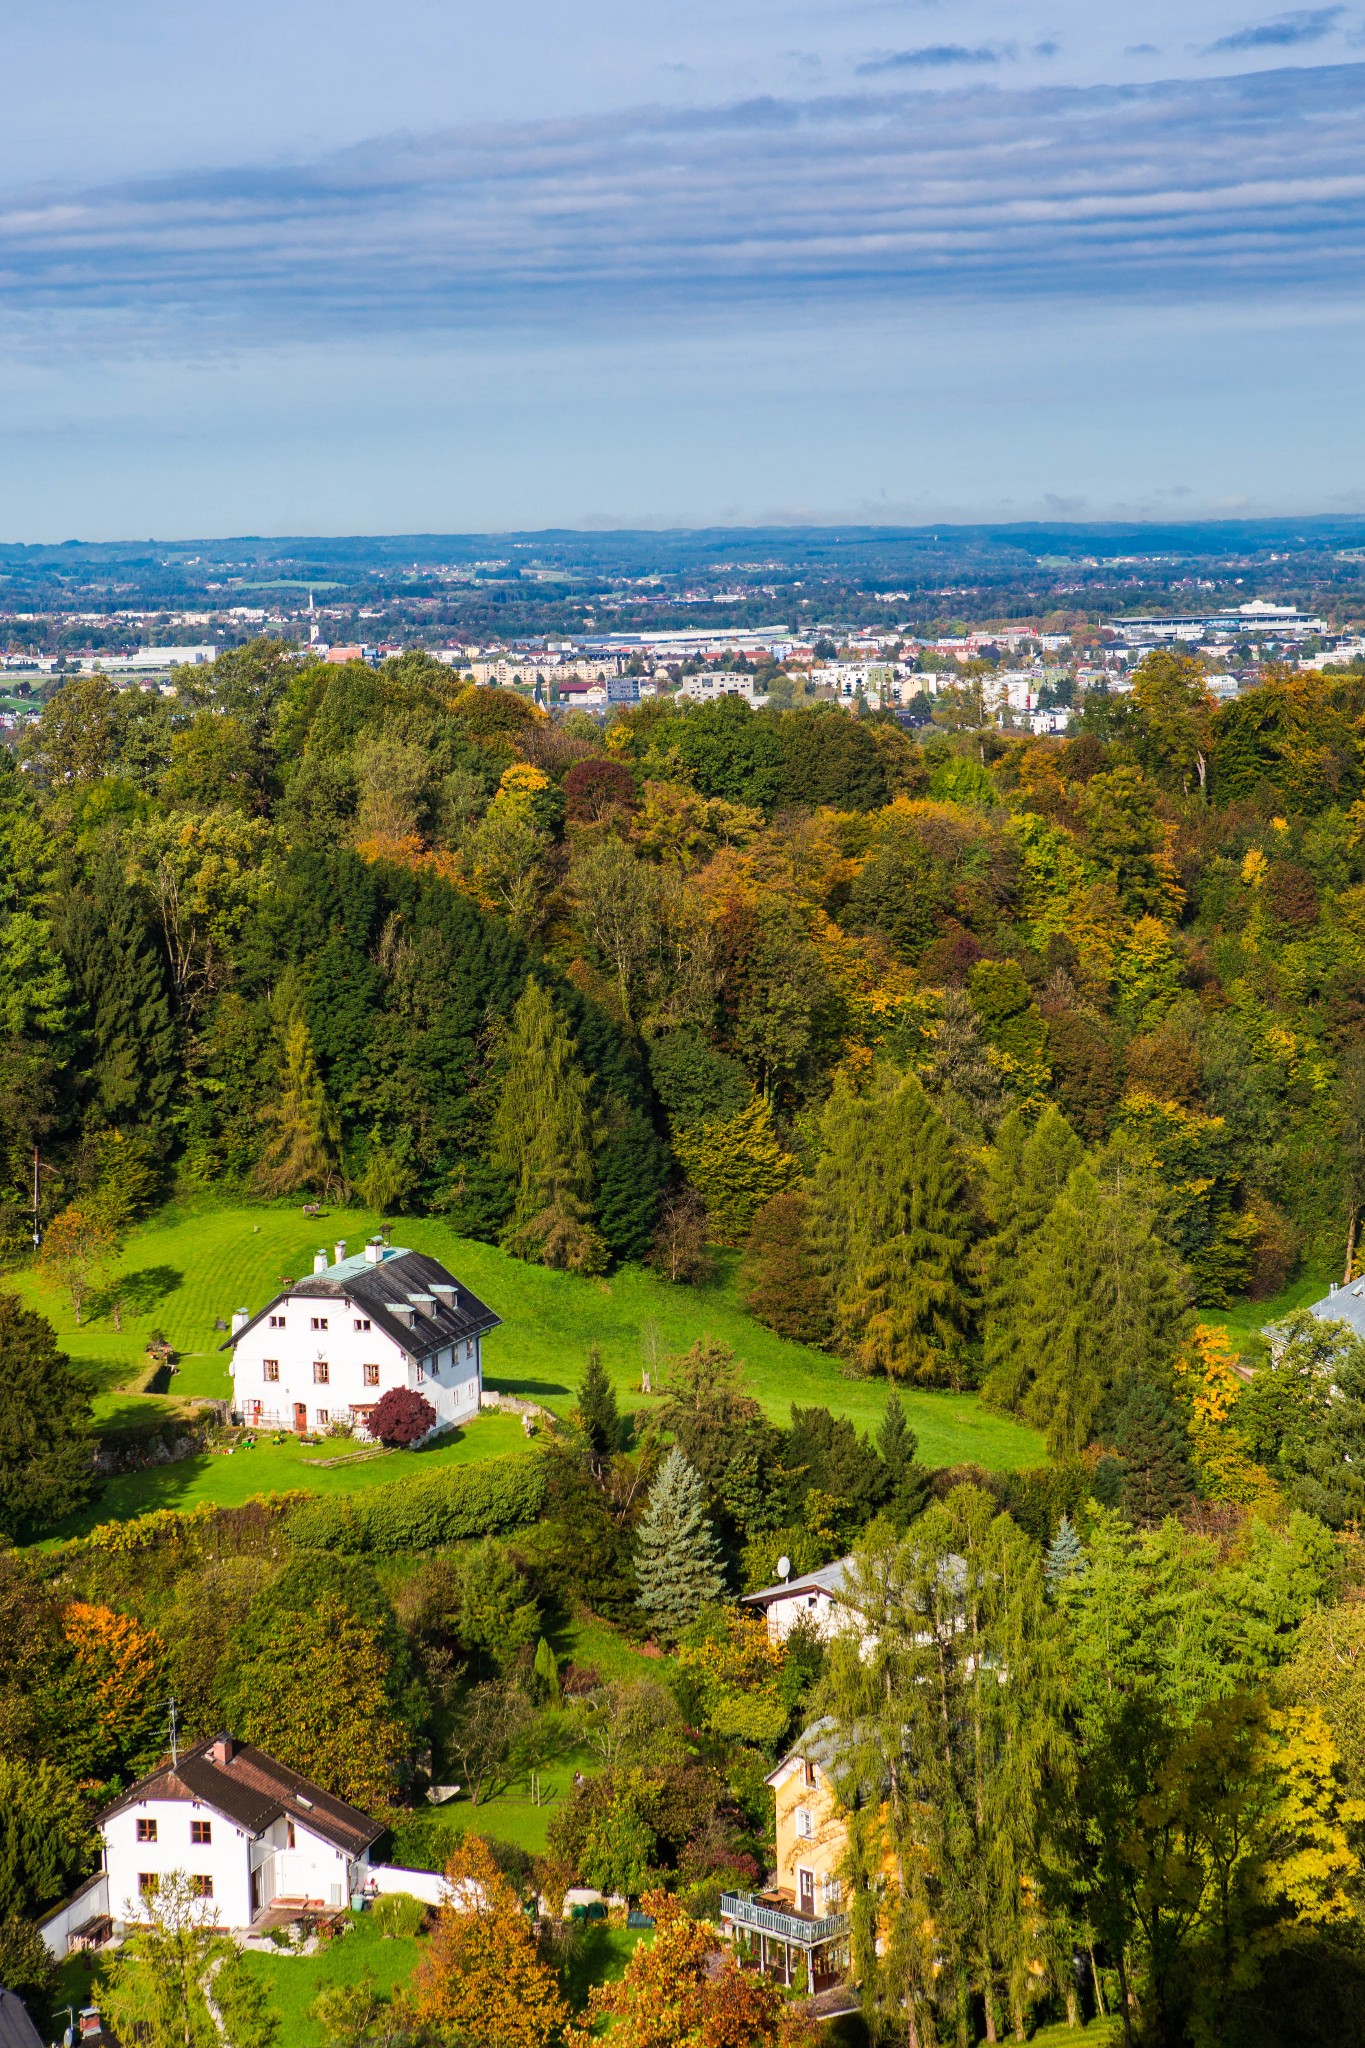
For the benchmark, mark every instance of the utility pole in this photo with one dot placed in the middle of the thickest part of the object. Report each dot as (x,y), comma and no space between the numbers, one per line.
(175,1746)
(37,1233)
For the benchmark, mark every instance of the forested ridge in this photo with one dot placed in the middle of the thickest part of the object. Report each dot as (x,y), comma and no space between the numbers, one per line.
(994,1062)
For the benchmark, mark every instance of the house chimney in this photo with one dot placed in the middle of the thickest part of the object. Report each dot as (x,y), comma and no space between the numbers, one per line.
(446,1295)
(240,1318)
(221,1751)
(374,1252)
(340,1249)
(320,1260)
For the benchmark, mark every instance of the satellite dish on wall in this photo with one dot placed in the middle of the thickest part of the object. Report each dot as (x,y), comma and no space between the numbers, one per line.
(784,1568)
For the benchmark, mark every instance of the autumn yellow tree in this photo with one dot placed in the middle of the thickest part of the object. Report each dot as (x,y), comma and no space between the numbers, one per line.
(674,1994)
(482,1978)
(1208,1379)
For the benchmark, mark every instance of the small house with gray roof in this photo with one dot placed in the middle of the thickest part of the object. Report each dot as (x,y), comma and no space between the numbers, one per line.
(1343,1304)
(328,1347)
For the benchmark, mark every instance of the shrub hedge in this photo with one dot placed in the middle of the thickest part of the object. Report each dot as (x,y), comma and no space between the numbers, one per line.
(422,1513)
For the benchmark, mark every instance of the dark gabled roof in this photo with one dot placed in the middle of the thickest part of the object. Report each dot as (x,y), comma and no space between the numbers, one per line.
(16,2028)
(252,1790)
(380,1290)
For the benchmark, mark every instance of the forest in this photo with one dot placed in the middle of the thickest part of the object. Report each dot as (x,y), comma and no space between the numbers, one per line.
(984,1062)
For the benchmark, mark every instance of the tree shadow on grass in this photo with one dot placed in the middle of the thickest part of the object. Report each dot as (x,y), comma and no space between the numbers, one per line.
(139,1293)
(137,1493)
(526,1390)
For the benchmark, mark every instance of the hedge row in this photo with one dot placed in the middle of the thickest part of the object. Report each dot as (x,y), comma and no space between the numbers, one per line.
(422,1513)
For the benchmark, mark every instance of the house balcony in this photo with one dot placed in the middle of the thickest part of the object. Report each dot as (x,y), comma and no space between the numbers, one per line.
(796,1930)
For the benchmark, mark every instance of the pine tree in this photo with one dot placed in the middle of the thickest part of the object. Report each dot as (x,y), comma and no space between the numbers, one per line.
(304,1149)
(778,1282)
(1065,1559)
(1157,1479)
(891,1231)
(677,1559)
(597,1409)
(543,1137)
(1026,1171)
(117,966)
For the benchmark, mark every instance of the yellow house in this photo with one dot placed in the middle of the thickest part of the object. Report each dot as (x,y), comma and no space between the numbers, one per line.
(801,1917)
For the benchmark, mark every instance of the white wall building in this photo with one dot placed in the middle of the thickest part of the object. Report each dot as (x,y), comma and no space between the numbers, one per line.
(812,1597)
(249,1834)
(331,1345)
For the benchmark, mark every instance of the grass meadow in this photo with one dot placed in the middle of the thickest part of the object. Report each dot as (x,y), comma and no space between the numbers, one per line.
(187,1268)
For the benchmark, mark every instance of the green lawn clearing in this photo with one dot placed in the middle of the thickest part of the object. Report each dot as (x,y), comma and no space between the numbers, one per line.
(293,1982)
(185,1268)
(1245,1320)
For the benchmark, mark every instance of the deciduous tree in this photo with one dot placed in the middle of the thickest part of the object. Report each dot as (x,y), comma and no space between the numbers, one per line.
(482,1978)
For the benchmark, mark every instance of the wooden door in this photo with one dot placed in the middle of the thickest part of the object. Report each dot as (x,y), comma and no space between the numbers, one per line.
(300,1415)
(806,1889)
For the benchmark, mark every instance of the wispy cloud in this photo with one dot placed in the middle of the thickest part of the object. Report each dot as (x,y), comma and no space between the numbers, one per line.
(1284,32)
(1242,184)
(932,57)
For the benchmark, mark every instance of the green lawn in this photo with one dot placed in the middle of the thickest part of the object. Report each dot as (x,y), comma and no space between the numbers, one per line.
(293,1982)
(1245,1321)
(185,1268)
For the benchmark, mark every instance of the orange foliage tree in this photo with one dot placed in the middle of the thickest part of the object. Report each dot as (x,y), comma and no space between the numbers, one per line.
(674,1995)
(112,1691)
(483,1978)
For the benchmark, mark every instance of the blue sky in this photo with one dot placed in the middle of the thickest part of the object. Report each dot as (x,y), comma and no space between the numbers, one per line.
(353,267)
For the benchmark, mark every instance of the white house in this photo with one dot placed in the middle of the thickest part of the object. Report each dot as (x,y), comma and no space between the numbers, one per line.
(249,1834)
(332,1344)
(812,1597)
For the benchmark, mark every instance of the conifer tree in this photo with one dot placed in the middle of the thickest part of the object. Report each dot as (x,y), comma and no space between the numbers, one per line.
(1097,1298)
(778,1281)
(631,1169)
(117,966)
(949,1846)
(677,1559)
(304,1148)
(1026,1171)
(597,1409)
(1065,1559)
(899,1447)
(891,1231)
(1157,1480)
(542,1139)
(736,1165)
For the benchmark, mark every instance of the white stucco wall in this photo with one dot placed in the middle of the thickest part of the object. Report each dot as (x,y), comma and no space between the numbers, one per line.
(226,1859)
(452,1384)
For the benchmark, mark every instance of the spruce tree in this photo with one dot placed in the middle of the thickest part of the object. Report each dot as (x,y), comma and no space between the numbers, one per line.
(677,1559)
(597,1409)
(909,1480)
(892,1231)
(543,1138)
(631,1169)
(116,964)
(304,1148)
(1065,1559)
(45,1435)
(1155,1453)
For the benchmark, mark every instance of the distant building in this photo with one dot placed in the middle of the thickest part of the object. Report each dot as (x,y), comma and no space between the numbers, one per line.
(1343,1304)
(330,1346)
